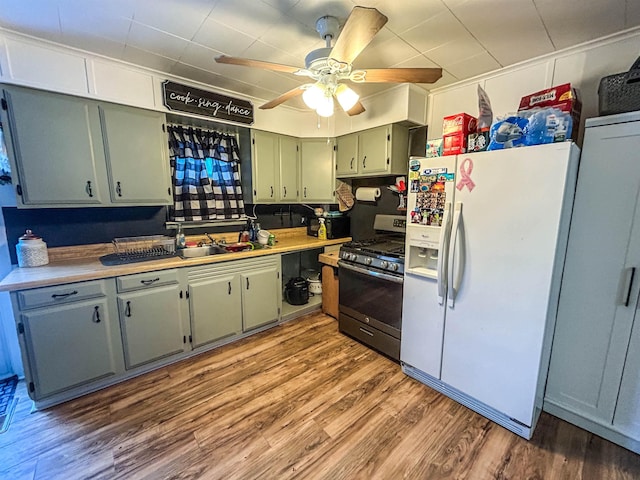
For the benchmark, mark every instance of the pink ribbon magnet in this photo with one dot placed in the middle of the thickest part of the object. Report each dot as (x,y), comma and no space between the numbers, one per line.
(466,168)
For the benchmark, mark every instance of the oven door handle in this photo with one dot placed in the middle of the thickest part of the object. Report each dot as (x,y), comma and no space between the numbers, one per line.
(370,273)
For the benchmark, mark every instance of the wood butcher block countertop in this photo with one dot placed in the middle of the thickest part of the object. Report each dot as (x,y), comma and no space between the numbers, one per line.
(81,263)
(329,258)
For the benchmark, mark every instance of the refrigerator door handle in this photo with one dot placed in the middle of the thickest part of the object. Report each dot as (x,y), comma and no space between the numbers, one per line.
(445,233)
(457,236)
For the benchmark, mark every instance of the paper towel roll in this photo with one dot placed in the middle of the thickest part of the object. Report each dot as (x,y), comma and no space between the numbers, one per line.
(367,194)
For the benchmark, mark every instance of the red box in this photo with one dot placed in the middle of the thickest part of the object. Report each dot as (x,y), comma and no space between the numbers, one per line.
(563,97)
(455,129)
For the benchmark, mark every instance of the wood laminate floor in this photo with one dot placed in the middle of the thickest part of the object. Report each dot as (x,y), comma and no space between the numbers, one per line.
(298,401)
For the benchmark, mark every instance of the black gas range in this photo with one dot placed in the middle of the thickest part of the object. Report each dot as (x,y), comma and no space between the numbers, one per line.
(371,278)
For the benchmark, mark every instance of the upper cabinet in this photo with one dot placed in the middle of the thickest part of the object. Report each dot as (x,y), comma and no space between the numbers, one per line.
(317,170)
(69,151)
(376,152)
(275,167)
(137,155)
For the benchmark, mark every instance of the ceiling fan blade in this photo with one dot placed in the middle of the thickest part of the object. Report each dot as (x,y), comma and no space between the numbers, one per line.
(357,109)
(397,75)
(358,31)
(246,62)
(282,98)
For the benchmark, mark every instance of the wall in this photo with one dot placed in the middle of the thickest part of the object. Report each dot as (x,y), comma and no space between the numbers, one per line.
(582,66)
(32,62)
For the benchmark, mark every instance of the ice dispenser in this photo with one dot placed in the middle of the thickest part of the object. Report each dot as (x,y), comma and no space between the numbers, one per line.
(423,249)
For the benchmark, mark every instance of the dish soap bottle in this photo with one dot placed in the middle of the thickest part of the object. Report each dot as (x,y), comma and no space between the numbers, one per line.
(322,230)
(180,239)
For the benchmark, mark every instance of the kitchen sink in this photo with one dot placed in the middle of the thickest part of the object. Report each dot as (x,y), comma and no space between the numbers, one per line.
(203,251)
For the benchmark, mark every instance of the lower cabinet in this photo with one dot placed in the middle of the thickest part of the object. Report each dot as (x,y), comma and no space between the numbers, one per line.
(80,337)
(215,306)
(230,298)
(150,316)
(69,336)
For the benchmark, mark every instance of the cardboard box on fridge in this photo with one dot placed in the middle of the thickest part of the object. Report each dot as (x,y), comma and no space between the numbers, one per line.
(563,97)
(455,129)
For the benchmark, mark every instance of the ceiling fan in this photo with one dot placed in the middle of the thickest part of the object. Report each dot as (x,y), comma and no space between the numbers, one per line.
(329,66)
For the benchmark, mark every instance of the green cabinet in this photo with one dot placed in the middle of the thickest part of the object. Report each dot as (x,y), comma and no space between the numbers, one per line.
(260,295)
(230,298)
(57,148)
(215,306)
(69,336)
(275,167)
(137,155)
(70,151)
(150,310)
(378,151)
(317,170)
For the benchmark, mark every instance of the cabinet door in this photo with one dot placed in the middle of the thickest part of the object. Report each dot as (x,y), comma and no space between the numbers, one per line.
(373,149)
(318,173)
(265,166)
(151,323)
(57,146)
(216,309)
(289,171)
(593,323)
(260,297)
(347,155)
(70,345)
(137,155)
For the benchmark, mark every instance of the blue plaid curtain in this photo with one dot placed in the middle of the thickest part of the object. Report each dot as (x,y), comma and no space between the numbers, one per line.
(206,178)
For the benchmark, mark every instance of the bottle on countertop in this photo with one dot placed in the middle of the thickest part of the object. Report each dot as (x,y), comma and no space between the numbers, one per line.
(322,230)
(181,241)
(253,233)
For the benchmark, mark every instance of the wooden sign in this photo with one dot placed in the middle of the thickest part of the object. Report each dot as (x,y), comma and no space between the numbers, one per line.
(182,98)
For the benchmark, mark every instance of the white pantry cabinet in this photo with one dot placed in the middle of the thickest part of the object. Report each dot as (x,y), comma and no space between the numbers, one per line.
(594,374)
(73,152)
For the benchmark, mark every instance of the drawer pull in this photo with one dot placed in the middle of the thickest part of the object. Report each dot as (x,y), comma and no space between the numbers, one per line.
(247,283)
(229,288)
(150,282)
(96,314)
(127,310)
(119,189)
(366,331)
(60,296)
(89,189)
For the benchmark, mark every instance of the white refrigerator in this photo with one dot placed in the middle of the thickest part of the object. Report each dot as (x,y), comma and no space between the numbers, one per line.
(486,241)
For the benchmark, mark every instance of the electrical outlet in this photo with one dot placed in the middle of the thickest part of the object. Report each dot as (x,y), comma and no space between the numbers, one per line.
(303,220)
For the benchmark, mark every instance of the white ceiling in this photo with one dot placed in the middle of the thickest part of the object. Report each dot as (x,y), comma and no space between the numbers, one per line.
(464,37)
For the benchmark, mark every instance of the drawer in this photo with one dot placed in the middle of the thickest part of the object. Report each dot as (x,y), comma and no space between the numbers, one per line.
(146,280)
(60,294)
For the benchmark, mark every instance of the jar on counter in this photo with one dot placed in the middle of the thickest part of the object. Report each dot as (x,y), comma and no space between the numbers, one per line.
(31,250)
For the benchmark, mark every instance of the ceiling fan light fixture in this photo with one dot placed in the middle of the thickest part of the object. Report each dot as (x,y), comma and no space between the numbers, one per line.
(347,98)
(325,108)
(313,96)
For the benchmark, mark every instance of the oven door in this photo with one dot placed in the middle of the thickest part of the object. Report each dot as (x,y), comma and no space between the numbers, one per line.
(372,297)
